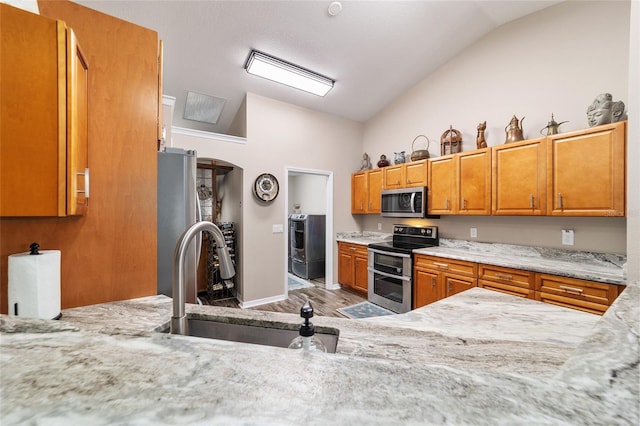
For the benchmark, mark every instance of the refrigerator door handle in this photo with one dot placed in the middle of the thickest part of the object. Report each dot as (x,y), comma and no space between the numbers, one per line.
(199,237)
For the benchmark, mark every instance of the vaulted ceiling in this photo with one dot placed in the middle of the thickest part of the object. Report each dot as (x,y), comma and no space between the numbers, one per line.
(375,50)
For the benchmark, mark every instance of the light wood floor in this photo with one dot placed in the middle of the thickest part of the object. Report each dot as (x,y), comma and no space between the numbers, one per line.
(324,302)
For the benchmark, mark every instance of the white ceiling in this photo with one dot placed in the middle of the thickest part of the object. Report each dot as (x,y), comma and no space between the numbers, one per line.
(375,50)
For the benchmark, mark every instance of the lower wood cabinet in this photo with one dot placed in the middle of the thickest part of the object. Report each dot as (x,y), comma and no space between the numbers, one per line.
(352,267)
(507,280)
(435,278)
(578,294)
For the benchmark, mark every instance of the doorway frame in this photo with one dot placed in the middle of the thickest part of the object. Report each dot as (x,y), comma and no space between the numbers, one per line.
(328,266)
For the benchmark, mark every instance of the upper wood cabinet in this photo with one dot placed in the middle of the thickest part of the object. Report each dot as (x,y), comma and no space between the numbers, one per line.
(44,164)
(442,185)
(460,183)
(406,175)
(474,182)
(519,178)
(366,187)
(586,172)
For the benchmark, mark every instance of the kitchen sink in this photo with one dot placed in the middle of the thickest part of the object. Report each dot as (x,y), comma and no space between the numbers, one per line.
(258,333)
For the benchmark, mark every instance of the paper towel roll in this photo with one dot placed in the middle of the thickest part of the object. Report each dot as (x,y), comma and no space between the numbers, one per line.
(34,284)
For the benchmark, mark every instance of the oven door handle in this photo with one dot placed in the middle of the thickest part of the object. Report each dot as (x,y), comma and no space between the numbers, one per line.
(389,253)
(384,274)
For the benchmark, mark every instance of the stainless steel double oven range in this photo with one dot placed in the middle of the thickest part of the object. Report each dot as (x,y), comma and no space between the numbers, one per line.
(390,266)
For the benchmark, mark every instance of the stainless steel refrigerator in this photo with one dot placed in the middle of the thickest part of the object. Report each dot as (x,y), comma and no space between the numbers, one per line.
(177,210)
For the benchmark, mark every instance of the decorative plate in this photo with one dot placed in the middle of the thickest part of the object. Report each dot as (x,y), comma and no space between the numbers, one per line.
(266,188)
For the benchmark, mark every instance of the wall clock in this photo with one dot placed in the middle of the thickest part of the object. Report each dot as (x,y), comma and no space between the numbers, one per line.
(266,188)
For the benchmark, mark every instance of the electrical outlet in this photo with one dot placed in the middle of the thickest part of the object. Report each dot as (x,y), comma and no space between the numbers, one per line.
(474,232)
(277,228)
(567,237)
(379,227)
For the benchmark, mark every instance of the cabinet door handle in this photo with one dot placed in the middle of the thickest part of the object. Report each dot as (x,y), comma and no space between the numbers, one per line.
(352,248)
(531,201)
(504,276)
(449,288)
(446,203)
(441,265)
(560,200)
(86,183)
(433,282)
(571,289)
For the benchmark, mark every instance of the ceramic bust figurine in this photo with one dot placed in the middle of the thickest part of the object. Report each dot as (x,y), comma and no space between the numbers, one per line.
(366,162)
(603,110)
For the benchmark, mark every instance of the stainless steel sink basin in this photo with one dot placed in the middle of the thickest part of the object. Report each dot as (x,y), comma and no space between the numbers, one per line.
(261,334)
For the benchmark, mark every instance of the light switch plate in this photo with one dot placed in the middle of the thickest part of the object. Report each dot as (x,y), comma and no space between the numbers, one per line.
(567,237)
(277,228)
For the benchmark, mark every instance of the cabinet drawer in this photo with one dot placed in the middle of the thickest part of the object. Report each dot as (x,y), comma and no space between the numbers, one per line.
(447,265)
(511,289)
(355,249)
(584,295)
(507,276)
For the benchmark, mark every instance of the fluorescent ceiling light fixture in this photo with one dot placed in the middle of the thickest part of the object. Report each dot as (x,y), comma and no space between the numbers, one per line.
(283,72)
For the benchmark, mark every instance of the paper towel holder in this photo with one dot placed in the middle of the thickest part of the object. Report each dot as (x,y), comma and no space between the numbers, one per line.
(34,247)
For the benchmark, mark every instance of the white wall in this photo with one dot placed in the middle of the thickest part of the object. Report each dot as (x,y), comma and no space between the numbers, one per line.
(281,135)
(308,190)
(554,61)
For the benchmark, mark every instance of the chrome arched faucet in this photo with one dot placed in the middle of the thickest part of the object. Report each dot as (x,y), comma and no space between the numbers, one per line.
(179,318)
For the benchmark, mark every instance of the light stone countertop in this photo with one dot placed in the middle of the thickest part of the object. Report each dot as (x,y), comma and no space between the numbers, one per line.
(599,267)
(363,238)
(479,357)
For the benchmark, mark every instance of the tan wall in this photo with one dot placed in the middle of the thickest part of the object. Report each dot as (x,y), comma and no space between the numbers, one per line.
(109,254)
(281,135)
(554,61)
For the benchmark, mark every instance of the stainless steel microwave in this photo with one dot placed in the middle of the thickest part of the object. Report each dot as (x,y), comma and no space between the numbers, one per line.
(405,202)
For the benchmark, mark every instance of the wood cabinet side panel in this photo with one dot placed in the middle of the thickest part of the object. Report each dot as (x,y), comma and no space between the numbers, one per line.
(107,254)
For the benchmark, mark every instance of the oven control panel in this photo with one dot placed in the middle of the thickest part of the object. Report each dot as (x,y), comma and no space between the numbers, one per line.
(427,231)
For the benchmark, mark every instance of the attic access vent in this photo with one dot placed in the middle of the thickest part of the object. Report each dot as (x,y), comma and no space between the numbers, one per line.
(203,108)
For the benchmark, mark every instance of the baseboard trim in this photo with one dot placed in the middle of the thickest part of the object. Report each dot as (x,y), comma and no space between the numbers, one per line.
(266,300)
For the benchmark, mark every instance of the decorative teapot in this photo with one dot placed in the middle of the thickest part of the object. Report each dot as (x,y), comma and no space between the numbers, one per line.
(399,158)
(552,127)
(514,130)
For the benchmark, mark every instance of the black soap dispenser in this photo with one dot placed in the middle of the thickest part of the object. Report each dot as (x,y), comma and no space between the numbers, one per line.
(307,341)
